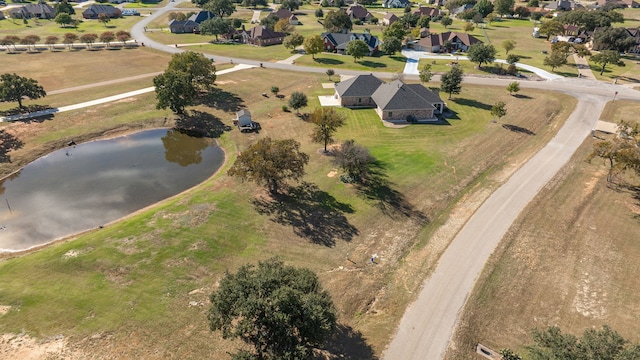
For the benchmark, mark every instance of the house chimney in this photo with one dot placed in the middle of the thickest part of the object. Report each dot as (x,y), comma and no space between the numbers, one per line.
(243,29)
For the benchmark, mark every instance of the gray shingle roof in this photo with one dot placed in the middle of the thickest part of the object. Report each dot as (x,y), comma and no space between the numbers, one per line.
(397,95)
(202,16)
(361,85)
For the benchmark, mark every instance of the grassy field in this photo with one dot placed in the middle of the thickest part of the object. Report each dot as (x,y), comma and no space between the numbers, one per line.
(392,63)
(570,260)
(133,281)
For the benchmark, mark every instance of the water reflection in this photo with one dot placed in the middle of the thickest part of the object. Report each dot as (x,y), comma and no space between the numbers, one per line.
(80,188)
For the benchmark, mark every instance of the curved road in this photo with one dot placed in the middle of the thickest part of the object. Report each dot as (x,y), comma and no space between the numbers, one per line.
(427,325)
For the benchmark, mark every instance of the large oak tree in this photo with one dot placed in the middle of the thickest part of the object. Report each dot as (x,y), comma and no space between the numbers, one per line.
(14,87)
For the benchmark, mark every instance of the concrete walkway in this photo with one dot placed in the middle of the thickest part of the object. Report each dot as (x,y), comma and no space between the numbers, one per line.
(256,16)
(413,58)
(584,70)
(291,59)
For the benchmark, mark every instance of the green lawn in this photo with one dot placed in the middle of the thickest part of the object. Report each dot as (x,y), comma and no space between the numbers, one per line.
(148,5)
(394,63)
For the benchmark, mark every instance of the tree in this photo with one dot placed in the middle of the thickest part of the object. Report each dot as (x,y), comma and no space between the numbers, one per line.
(297,101)
(613,39)
(275,90)
(88,39)
(606,57)
(390,45)
(290,4)
(481,53)
(622,153)
(269,21)
(513,87)
(123,36)
(327,121)
(484,7)
(512,59)
(216,26)
(281,311)
(498,110)
(236,23)
(604,344)
(357,49)
(51,40)
(221,8)
(503,7)
(522,12)
(200,70)
(446,21)
(508,45)
(409,20)
(337,21)
(551,28)
(63,19)
(468,27)
(104,18)
(330,73)
(10,40)
(14,87)
(313,45)
(319,13)
(555,59)
(451,81)
(292,41)
(107,37)
(395,30)
(174,90)
(425,73)
(69,39)
(64,7)
(30,40)
(423,21)
(590,20)
(354,159)
(533,3)
(567,49)
(270,163)
(508,354)
(254,3)
(284,26)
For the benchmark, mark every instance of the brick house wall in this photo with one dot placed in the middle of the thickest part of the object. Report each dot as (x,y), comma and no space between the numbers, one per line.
(402,114)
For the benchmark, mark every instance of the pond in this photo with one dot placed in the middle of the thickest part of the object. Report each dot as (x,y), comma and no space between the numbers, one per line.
(88,185)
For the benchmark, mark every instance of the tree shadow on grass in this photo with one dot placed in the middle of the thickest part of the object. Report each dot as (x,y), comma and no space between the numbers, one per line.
(521,96)
(376,186)
(328,61)
(201,124)
(518,129)
(472,103)
(312,213)
(372,64)
(222,100)
(348,344)
(8,143)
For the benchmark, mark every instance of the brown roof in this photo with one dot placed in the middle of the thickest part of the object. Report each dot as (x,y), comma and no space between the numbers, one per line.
(263,32)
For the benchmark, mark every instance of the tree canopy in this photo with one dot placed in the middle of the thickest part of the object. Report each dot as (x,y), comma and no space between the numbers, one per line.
(297,100)
(357,48)
(14,87)
(313,45)
(390,46)
(499,110)
(503,7)
(293,40)
(280,310)
(484,7)
(555,59)
(174,90)
(201,71)
(613,39)
(64,7)
(327,120)
(216,26)
(221,8)
(551,28)
(606,57)
(508,45)
(395,30)
(354,159)
(270,163)
(513,87)
(336,21)
(481,53)
(590,19)
(451,81)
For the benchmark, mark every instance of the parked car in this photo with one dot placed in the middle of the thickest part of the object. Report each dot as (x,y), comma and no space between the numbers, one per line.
(130,12)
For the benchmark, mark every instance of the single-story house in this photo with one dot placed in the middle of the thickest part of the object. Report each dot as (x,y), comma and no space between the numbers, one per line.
(563,5)
(283,13)
(395,3)
(358,12)
(293,20)
(427,11)
(201,16)
(337,42)
(389,18)
(38,11)
(183,26)
(94,11)
(262,36)
(436,42)
(392,101)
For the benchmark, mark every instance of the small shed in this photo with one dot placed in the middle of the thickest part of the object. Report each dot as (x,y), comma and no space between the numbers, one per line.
(243,118)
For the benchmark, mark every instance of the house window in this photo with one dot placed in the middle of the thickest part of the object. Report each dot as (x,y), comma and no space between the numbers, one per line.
(390,113)
(359,100)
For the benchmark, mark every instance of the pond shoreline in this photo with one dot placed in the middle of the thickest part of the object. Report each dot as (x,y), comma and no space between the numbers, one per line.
(89,138)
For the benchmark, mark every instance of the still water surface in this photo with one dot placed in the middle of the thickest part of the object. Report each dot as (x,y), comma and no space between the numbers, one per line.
(82,187)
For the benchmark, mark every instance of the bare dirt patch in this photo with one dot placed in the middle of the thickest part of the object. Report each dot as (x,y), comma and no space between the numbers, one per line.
(24,347)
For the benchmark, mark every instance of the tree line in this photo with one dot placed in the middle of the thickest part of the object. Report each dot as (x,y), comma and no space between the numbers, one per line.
(69,39)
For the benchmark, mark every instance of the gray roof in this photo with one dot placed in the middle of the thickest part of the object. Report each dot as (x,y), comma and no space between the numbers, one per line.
(202,16)
(243,112)
(397,95)
(361,85)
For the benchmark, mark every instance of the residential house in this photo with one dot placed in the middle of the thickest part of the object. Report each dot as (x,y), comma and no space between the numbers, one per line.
(262,36)
(427,11)
(202,16)
(95,10)
(337,42)
(399,101)
(461,9)
(357,91)
(282,13)
(563,5)
(446,41)
(293,20)
(392,101)
(38,11)
(183,26)
(395,3)
(389,18)
(358,12)
(621,3)
(436,2)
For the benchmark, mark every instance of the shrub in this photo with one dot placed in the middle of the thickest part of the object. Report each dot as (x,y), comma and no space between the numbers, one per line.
(285,108)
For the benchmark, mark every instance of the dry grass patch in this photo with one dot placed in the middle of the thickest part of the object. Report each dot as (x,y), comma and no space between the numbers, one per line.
(571,259)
